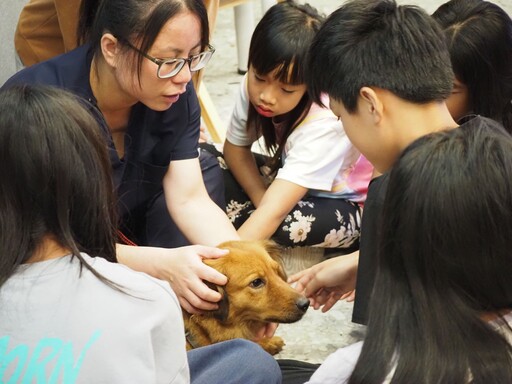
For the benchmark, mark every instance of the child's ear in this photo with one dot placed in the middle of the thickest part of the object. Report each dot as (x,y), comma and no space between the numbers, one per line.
(110,48)
(372,103)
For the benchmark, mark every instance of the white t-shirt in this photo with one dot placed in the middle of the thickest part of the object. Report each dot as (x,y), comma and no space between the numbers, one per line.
(338,366)
(317,155)
(60,327)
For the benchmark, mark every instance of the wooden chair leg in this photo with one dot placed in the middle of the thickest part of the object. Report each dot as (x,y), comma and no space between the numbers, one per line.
(211,119)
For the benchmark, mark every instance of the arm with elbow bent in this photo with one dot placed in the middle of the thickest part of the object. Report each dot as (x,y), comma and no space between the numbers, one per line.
(242,165)
(277,202)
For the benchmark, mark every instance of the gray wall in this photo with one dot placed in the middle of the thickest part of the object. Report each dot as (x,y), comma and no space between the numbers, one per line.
(9,13)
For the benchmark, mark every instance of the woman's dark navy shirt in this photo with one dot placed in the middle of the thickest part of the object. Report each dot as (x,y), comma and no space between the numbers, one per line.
(153,139)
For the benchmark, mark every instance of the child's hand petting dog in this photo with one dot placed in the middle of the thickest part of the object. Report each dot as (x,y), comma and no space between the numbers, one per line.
(329,281)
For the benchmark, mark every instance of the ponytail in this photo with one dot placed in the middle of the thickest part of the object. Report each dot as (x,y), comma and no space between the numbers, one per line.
(86,15)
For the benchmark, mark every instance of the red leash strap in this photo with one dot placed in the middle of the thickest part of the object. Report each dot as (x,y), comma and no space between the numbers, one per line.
(125,239)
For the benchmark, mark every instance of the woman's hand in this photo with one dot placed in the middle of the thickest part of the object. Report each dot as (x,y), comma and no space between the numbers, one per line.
(329,281)
(183,268)
(185,271)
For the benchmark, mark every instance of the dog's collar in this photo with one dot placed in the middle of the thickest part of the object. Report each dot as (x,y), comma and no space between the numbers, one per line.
(191,340)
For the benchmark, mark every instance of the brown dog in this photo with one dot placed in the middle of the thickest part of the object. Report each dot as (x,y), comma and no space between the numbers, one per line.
(256,293)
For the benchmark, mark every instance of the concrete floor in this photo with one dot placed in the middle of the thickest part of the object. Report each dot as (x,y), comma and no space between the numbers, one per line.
(317,334)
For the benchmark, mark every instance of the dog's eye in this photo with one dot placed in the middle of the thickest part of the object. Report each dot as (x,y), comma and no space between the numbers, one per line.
(257,283)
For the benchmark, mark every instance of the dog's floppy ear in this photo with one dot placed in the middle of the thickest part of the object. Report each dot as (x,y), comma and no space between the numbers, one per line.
(275,251)
(223,311)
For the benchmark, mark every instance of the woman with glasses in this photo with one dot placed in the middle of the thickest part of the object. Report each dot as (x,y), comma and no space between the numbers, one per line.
(133,70)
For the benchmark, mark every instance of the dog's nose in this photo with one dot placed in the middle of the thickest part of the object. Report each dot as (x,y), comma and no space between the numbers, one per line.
(302,304)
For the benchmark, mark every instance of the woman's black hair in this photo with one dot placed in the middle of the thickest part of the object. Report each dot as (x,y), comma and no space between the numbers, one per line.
(445,258)
(134,20)
(479,37)
(56,178)
(280,42)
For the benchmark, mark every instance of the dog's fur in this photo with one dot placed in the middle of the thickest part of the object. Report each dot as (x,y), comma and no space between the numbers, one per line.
(256,293)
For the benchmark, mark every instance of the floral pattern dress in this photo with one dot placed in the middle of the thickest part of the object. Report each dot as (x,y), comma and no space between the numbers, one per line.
(314,221)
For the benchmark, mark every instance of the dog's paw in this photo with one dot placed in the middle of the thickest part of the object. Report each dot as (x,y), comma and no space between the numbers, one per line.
(274,345)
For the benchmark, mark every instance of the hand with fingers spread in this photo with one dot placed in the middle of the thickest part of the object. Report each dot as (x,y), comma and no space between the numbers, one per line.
(183,268)
(186,271)
(329,281)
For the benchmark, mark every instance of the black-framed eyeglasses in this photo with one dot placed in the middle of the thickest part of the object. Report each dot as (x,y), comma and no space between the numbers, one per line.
(171,67)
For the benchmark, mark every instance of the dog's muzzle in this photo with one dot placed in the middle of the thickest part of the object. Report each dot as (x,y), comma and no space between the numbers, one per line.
(302,304)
